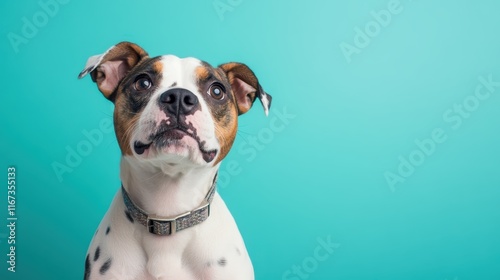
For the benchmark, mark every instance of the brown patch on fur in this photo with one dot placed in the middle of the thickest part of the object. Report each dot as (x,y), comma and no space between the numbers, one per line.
(157,66)
(242,71)
(226,126)
(124,126)
(202,73)
(220,74)
(127,51)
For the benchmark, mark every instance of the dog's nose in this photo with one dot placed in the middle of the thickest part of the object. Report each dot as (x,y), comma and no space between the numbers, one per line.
(179,101)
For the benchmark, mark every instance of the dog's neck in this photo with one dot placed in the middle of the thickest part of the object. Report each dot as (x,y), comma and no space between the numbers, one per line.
(167,190)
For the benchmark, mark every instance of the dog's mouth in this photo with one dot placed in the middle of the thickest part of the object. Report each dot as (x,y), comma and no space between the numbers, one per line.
(167,137)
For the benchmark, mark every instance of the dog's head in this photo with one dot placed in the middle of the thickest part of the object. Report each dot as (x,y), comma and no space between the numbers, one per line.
(174,110)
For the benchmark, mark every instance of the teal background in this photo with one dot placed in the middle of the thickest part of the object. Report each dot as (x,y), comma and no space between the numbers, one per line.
(320,174)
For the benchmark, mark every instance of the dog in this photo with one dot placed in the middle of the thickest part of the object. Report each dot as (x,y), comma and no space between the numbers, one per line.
(175,120)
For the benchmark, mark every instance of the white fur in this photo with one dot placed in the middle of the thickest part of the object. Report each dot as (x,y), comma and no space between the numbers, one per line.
(265,104)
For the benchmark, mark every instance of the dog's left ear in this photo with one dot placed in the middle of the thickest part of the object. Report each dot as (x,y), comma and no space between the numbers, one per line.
(245,87)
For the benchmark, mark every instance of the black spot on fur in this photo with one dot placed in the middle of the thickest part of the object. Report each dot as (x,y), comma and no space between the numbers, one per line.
(222,262)
(105,267)
(97,253)
(87,268)
(174,84)
(107,230)
(129,217)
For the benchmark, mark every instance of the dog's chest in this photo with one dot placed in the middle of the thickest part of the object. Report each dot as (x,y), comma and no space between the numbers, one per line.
(123,249)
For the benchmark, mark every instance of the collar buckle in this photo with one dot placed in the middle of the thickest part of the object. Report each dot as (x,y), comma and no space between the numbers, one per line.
(168,226)
(159,226)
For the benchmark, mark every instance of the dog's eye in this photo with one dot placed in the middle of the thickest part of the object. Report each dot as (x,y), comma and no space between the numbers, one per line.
(142,82)
(216,91)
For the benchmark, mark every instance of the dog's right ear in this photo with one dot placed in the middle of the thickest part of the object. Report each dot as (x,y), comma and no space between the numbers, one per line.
(109,68)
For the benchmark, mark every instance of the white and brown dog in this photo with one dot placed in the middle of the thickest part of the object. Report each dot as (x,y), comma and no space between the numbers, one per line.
(175,120)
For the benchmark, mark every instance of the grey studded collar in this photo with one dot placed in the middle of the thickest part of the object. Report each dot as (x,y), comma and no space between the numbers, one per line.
(169,225)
